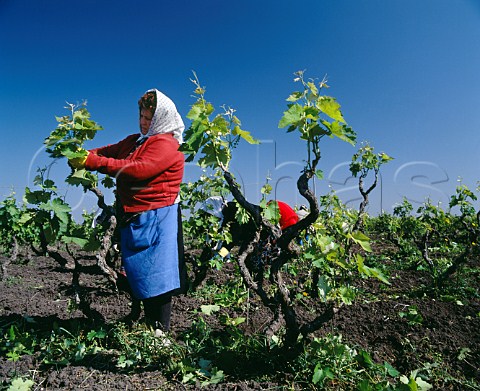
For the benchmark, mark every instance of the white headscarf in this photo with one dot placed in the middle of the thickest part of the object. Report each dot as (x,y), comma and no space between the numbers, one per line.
(214,206)
(166,118)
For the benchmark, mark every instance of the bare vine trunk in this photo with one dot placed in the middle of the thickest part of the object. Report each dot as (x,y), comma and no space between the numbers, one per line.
(364,203)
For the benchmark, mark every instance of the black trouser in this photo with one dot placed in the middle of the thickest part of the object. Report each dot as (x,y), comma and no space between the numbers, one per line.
(158,310)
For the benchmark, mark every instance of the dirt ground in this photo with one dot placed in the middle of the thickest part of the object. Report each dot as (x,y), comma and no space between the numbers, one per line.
(41,290)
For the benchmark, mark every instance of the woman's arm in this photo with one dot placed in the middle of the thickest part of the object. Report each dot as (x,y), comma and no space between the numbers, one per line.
(152,158)
(115,150)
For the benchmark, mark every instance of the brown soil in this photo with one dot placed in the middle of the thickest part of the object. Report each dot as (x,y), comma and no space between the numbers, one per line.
(40,290)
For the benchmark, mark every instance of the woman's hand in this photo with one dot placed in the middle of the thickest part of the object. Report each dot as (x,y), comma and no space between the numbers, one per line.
(78,163)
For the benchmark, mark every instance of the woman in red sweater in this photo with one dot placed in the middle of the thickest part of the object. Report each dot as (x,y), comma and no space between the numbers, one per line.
(148,168)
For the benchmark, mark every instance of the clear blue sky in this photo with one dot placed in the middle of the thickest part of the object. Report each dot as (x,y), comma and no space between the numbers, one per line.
(406,73)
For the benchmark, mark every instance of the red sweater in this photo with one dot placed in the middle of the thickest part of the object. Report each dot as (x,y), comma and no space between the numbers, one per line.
(148,178)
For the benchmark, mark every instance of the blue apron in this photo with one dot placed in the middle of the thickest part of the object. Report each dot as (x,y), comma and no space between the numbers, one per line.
(150,252)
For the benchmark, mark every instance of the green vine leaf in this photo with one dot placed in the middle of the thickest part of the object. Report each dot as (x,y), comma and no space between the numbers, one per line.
(361,239)
(244,135)
(331,107)
(291,117)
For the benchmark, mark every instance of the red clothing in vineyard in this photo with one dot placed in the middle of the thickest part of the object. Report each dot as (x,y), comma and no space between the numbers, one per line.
(288,216)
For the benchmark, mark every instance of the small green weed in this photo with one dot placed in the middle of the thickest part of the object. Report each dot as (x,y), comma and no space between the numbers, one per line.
(20,384)
(17,343)
(411,315)
(64,347)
